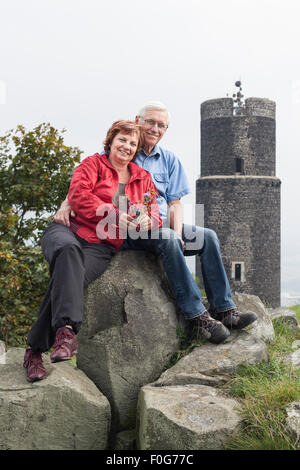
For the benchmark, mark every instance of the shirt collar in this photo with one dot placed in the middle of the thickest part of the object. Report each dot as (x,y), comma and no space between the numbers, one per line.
(155,152)
(136,171)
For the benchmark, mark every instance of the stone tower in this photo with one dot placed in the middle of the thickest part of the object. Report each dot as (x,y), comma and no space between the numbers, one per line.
(241,194)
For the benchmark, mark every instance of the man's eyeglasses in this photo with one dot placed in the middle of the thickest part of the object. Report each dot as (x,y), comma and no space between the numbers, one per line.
(151,123)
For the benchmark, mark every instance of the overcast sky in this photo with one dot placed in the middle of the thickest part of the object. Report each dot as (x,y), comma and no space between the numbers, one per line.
(81,64)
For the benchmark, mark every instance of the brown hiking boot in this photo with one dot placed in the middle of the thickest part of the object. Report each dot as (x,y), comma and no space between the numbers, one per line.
(65,345)
(33,364)
(233,319)
(212,330)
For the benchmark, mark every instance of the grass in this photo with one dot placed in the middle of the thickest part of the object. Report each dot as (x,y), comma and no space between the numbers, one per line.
(296,309)
(185,347)
(265,390)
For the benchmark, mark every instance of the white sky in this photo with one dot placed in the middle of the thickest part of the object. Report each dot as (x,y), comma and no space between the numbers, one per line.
(81,64)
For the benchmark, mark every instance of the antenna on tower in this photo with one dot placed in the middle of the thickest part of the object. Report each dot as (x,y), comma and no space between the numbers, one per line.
(238,102)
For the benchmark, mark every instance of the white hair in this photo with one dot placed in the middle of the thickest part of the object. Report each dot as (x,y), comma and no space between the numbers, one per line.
(154,105)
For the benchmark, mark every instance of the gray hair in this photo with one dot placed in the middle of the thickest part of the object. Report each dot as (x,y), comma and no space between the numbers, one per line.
(154,105)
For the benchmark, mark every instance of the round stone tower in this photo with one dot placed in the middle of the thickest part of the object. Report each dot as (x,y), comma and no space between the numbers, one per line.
(241,194)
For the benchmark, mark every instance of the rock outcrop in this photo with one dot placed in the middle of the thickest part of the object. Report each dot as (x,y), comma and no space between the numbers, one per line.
(129,332)
(263,327)
(185,417)
(127,339)
(65,411)
(210,364)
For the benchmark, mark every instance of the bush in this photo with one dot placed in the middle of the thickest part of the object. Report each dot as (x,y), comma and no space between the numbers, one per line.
(23,281)
(35,173)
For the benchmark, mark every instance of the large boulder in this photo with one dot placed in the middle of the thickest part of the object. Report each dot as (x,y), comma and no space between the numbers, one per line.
(65,411)
(190,417)
(209,364)
(263,327)
(128,333)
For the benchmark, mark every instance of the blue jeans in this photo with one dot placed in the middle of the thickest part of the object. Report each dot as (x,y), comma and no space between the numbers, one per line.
(199,241)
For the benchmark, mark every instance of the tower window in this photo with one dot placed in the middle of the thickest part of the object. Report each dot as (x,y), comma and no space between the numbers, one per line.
(238,271)
(239,165)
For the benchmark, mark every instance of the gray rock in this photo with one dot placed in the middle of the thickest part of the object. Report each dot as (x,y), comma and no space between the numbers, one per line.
(286,315)
(65,411)
(293,419)
(296,344)
(129,332)
(215,360)
(293,359)
(263,327)
(190,417)
(185,378)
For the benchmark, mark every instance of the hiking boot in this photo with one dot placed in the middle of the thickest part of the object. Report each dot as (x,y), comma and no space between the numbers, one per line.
(65,345)
(212,330)
(233,319)
(33,364)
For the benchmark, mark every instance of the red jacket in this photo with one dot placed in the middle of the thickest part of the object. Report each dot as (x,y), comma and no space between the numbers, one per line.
(93,185)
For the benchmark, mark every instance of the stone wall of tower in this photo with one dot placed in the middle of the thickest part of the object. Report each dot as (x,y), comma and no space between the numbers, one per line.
(242,207)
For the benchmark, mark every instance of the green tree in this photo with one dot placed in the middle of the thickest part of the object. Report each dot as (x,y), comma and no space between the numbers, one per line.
(35,172)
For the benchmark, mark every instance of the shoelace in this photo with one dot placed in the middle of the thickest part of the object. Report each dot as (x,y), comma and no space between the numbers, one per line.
(232,313)
(61,338)
(34,358)
(206,322)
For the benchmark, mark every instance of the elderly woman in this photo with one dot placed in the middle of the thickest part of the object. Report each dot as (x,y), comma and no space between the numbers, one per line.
(80,253)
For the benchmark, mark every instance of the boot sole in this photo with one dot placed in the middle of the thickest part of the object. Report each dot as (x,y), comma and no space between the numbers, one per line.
(220,339)
(36,379)
(61,359)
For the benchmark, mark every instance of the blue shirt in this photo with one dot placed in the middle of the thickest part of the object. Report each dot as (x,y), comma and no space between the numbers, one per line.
(168,176)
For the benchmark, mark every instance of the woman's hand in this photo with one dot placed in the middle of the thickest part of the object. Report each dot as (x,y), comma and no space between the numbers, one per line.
(126,222)
(63,214)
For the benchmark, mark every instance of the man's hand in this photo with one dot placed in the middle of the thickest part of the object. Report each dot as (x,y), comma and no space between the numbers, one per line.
(63,214)
(144,222)
(176,219)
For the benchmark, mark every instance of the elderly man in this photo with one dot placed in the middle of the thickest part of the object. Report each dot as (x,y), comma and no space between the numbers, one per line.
(175,239)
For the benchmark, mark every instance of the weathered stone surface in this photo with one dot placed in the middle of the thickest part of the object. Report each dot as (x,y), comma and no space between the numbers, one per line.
(293,358)
(293,419)
(263,327)
(287,316)
(65,411)
(128,333)
(296,344)
(189,417)
(2,352)
(214,360)
(185,378)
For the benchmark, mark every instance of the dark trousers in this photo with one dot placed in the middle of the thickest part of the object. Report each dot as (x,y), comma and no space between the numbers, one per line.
(74,263)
